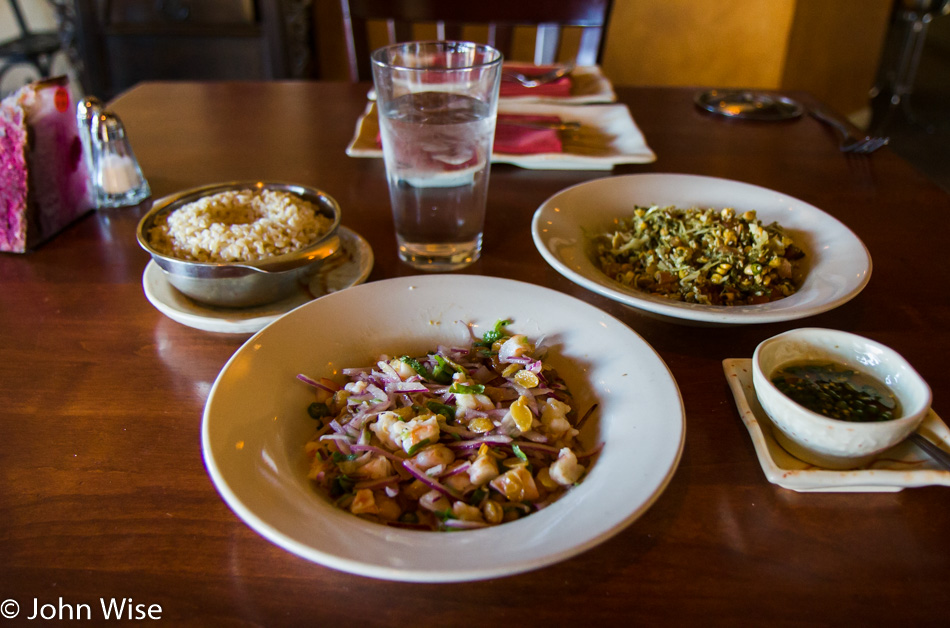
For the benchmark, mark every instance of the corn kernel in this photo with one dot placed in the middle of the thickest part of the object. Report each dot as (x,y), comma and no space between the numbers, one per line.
(481,425)
(521,414)
(544,478)
(492,511)
(510,370)
(527,379)
(513,487)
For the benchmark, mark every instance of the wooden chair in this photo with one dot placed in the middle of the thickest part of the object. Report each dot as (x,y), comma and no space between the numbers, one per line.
(32,48)
(501,17)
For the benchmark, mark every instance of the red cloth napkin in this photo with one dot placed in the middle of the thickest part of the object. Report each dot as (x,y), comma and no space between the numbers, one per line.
(514,139)
(560,88)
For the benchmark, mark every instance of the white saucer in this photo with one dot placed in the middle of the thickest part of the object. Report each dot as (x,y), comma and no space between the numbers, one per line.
(901,466)
(349,267)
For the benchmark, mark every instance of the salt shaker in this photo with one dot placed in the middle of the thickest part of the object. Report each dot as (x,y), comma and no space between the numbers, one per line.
(118,178)
(87,120)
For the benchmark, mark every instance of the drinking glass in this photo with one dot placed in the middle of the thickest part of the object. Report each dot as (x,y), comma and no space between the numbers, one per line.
(437,104)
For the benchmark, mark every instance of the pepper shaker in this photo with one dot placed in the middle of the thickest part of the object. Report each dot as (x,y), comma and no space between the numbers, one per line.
(117,176)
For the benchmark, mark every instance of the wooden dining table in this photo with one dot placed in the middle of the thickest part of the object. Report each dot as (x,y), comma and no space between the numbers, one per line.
(105,495)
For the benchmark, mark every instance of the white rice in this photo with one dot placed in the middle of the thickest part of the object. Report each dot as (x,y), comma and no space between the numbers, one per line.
(239,226)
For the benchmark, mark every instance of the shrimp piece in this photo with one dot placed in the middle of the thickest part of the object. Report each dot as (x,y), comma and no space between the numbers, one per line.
(388,507)
(416,489)
(434,501)
(514,347)
(402,369)
(364,503)
(356,387)
(433,456)
(463,511)
(554,419)
(376,469)
(517,485)
(413,432)
(382,427)
(459,482)
(483,470)
(565,470)
(474,401)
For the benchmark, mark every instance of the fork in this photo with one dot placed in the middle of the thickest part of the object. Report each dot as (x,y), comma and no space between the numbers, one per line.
(541,124)
(538,79)
(849,143)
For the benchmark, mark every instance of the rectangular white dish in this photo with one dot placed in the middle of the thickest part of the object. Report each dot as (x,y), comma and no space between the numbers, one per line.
(901,466)
(608,136)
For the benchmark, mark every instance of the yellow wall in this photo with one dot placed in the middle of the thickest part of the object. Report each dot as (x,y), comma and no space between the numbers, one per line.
(722,43)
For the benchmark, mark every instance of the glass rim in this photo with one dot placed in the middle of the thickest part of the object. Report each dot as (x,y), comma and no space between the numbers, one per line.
(377,56)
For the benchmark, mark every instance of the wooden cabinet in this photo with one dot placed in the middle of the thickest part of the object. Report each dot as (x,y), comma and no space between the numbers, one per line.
(121,42)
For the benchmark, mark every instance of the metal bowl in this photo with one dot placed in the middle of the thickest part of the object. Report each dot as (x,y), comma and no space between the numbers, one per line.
(242,284)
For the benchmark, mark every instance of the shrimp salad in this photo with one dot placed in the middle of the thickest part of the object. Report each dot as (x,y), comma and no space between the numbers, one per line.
(459,438)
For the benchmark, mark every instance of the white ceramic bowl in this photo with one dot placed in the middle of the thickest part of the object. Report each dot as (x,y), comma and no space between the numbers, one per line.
(255,424)
(826,442)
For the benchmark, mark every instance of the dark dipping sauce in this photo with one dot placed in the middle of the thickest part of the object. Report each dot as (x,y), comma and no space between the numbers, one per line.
(837,391)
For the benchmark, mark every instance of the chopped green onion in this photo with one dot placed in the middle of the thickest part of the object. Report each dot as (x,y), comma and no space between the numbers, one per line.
(422,443)
(341,485)
(444,514)
(443,370)
(477,496)
(338,457)
(467,389)
(493,335)
(440,408)
(519,453)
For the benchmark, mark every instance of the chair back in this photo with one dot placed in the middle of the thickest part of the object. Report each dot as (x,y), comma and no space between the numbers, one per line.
(33,48)
(549,18)
(18,16)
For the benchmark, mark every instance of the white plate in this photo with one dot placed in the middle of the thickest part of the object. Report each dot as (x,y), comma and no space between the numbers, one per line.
(837,264)
(255,424)
(608,136)
(347,268)
(901,466)
(589,86)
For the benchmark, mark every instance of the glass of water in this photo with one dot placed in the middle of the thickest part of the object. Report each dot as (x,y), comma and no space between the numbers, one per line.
(437,103)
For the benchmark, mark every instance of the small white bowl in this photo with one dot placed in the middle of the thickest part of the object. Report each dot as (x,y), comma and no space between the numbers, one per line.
(830,443)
